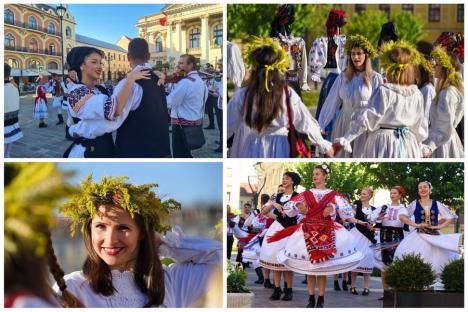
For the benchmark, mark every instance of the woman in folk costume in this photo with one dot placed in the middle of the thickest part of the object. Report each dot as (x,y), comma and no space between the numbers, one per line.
(430,216)
(351,92)
(364,237)
(243,229)
(95,110)
(11,101)
(425,82)
(120,223)
(251,252)
(41,111)
(447,110)
(276,210)
(260,114)
(394,118)
(318,246)
(391,232)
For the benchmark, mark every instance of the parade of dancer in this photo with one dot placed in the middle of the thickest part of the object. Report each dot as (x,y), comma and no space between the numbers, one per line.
(350,93)
(430,216)
(335,252)
(269,251)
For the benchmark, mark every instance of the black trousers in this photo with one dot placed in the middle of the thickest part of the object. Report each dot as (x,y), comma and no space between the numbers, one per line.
(230,242)
(219,120)
(179,143)
(210,105)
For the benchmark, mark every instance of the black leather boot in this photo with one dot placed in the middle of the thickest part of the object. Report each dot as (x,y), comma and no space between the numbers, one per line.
(276,294)
(267,283)
(311,303)
(344,285)
(60,118)
(320,302)
(287,294)
(336,285)
(259,272)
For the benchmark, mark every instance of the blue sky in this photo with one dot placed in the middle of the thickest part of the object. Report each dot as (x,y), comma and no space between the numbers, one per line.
(109,22)
(188,183)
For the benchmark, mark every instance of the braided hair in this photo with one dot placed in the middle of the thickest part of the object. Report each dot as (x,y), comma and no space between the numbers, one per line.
(69,299)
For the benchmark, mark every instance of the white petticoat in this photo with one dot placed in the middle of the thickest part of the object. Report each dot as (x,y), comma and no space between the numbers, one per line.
(40,110)
(384,143)
(269,251)
(295,257)
(251,251)
(362,244)
(438,250)
(12,133)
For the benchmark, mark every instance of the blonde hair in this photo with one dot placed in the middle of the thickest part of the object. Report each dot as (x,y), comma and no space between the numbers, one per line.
(403,73)
(351,70)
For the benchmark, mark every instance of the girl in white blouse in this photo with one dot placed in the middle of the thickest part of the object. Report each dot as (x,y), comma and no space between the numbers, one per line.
(430,216)
(258,114)
(350,93)
(446,112)
(395,114)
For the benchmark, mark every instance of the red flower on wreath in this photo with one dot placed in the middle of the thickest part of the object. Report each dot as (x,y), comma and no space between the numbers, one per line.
(401,190)
(295,48)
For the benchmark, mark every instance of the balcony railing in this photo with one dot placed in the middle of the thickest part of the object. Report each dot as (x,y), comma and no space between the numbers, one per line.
(27,26)
(28,50)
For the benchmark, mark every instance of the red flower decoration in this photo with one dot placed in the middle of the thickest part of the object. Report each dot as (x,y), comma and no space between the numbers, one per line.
(401,190)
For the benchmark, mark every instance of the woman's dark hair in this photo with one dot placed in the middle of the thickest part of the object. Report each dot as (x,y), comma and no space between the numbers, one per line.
(77,56)
(262,106)
(284,17)
(323,169)
(425,77)
(148,271)
(264,199)
(294,177)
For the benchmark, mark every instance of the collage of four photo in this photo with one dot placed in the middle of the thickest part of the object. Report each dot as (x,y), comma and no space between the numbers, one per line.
(262,106)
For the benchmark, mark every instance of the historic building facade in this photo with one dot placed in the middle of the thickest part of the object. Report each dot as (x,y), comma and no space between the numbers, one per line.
(436,17)
(184,28)
(33,42)
(32,38)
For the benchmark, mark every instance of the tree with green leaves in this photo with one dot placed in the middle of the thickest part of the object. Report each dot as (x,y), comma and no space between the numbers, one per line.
(369,24)
(447,179)
(245,20)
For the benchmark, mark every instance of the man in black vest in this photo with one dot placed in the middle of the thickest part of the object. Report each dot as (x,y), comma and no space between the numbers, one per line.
(145,132)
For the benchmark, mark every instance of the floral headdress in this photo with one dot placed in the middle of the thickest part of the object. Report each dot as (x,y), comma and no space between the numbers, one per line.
(281,64)
(325,167)
(441,57)
(336,19)
(359,41)
(396,69)
(135,199)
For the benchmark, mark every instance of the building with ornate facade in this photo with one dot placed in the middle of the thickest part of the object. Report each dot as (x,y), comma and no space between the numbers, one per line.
(437,18)
(33,42)
(184,28)
(33,38)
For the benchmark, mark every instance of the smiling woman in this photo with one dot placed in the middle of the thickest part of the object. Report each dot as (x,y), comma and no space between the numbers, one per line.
(120,224)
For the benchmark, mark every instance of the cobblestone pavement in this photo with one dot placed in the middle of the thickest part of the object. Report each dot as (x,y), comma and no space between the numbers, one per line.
(50,142)
(333,299)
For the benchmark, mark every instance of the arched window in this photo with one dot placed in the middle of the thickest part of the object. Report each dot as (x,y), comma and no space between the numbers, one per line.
(68,32)
(13,63)
(52,65)
(9,16)
(51,28)
(218,34)
(33,45)
(32,22)
(159,45)
(194,38)
(33,64)
(10,41)
(52,49)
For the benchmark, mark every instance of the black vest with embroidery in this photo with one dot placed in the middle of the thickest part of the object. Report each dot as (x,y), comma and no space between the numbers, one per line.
(145,132)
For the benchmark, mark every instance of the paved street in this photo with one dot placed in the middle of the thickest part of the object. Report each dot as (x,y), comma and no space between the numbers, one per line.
(333,299)
(50,142)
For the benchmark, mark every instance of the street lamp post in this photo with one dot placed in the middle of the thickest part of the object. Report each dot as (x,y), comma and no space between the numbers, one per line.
(61,12)
(108,66)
